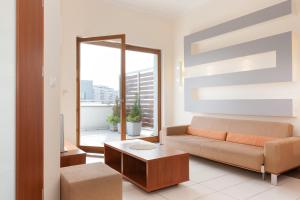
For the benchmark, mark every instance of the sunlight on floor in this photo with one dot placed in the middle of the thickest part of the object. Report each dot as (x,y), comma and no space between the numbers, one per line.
(99,137)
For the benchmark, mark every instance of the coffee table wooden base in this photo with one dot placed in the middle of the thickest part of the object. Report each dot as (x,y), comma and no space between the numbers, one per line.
(149,174)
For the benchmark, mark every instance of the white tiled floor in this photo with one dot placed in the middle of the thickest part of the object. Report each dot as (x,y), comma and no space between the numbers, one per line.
(213,181)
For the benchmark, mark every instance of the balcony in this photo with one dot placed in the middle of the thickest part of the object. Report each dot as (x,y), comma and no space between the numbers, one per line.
(97,104)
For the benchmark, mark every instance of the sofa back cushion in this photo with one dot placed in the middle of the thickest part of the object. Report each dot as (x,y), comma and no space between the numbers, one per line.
(247,127)
(217,135)
(254,140)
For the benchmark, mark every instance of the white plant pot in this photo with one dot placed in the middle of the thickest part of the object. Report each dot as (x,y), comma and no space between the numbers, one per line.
(133,128)
(113,127)
(119,127)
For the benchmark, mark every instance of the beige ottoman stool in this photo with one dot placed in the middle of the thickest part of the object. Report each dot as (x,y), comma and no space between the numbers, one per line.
(90,182)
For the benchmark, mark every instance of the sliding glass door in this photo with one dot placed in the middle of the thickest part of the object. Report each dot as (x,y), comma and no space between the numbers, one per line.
(117,99)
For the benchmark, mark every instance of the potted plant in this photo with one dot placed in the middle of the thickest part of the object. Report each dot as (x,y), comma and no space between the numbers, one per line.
(134,119)
(114,119)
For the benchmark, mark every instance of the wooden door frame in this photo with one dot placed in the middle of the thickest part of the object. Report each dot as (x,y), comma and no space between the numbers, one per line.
(29,99)
(127,47)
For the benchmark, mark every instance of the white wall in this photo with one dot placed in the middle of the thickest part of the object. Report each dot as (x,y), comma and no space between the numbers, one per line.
(214,12)
(52,55)
(100,17)
(7,99)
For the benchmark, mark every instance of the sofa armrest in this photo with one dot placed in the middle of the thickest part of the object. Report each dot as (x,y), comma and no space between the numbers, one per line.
(172,131)
(282,155)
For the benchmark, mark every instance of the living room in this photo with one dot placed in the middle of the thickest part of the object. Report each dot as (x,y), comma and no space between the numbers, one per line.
(171,99)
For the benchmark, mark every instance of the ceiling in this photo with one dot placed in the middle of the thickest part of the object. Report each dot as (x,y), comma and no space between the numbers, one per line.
(167,8)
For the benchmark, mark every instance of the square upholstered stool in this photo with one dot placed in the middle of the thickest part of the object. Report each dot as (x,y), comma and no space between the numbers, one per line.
(90,182)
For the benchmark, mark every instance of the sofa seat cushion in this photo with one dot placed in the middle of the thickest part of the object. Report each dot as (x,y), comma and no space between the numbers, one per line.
(242,155)
(187,143)
(245,156)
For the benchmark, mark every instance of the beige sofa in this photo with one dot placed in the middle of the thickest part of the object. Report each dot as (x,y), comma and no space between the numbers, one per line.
(277,156)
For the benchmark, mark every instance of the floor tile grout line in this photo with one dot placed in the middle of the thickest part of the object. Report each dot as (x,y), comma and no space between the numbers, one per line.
(157,195)
(229,195)
(210,179)
(272,187)
(192,184)
(251,197)
(220,190)
(162,196)
(241,182)
(207,187)
(197,198)
(213,191)
(217,192)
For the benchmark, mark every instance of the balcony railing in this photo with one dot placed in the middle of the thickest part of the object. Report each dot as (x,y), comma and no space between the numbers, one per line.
(141,83)
(93,115)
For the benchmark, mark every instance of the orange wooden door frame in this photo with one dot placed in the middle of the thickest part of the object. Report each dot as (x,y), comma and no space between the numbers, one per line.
(29,100)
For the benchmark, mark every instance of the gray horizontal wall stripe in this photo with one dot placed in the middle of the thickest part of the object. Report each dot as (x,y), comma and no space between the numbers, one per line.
(263,15)
(264,107)
(276,42)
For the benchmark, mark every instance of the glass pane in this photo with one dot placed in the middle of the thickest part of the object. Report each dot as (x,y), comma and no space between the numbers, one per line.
(100,69)
(141,94)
